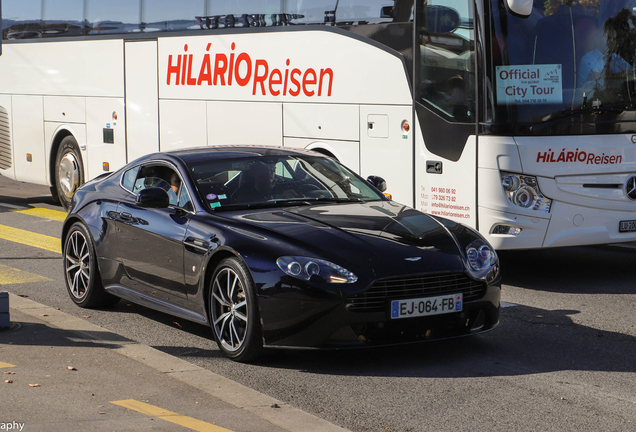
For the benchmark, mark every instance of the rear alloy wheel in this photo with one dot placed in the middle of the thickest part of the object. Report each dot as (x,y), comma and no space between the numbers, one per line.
(234,311)
(83,282)
(69,171)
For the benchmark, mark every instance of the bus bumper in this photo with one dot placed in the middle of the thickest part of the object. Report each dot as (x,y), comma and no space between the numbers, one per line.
(568,225)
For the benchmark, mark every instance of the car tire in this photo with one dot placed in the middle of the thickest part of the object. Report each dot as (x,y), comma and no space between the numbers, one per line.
(69,171)
(234,311)
(83,282)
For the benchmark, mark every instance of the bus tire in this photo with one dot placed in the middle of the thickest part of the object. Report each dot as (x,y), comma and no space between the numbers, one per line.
(54,196)
(69,171)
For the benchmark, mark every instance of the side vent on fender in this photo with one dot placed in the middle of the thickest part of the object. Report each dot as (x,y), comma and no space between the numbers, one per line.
(5,140)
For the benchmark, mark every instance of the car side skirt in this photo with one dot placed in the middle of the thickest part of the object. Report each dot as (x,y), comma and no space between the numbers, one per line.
(156,304)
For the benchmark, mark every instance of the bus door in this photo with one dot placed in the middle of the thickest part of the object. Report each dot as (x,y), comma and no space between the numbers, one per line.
(445,109)
(142,100)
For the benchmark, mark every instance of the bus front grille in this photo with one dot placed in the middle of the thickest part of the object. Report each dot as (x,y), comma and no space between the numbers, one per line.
(5,140)
(376,298)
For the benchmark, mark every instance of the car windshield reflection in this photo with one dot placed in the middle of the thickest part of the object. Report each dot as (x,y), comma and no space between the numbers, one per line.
(262,181)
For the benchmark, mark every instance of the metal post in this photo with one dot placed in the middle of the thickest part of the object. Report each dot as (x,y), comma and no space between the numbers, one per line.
(4,310)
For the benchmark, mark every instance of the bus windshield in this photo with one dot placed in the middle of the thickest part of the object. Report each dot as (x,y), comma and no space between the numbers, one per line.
(567,68)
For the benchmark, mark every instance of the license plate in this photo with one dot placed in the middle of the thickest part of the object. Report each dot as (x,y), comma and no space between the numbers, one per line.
(627,226)
(426,306)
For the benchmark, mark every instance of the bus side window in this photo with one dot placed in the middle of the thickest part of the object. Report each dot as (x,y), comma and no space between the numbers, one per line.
(357,11)
(108,16)
(240,7)
(171,15)
(21,19)
(62,18)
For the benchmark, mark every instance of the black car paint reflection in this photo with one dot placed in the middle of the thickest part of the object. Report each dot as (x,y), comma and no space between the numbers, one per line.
(212,258)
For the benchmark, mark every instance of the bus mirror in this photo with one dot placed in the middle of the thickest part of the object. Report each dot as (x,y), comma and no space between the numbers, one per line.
(519,8)
(441,19)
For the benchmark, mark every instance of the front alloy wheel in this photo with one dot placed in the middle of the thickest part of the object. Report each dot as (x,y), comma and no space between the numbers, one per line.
(233,310)
(78,265)
(83,282)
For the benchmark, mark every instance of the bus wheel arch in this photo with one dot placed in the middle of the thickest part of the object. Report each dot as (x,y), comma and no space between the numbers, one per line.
(323,149)
(67,168)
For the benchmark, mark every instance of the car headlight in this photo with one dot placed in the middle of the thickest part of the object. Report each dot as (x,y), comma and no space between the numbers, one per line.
(315,269)
(483,262)
(523,191)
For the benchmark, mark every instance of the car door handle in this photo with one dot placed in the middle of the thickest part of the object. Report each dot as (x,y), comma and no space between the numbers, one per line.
(126,217)
(200,246)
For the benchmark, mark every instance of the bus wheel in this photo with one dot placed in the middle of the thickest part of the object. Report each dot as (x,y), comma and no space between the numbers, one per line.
(69,171)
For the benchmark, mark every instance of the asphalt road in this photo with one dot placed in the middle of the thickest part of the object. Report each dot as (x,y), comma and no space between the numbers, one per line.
(562,359)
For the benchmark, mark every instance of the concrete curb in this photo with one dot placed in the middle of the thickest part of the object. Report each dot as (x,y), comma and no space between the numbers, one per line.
(228,391)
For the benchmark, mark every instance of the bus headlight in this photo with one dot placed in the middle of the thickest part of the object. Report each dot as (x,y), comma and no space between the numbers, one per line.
(523,191)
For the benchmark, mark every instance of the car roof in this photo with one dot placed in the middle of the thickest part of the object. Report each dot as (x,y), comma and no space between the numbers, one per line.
(215,153)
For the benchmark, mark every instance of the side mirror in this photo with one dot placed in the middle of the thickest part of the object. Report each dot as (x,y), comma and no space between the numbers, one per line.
(519,8)
(378,182)
(441,19)
(153,198)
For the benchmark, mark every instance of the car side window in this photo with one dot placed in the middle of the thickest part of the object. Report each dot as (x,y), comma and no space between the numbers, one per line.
(161,176)
(184,200)
(129,178)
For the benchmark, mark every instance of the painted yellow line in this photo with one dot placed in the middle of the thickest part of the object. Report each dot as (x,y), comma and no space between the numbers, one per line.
(43,213)
(30,239)
(150,410)
(10,276)
(5,365)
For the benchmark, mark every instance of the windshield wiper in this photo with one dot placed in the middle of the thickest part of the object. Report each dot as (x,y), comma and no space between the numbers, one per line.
(264,204)
(335,199)
(285,202)
(569,113)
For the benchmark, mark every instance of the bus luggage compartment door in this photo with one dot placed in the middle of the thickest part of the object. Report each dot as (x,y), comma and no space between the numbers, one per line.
(386,148)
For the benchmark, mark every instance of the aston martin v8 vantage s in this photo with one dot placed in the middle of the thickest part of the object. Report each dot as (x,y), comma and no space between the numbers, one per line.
(276,248)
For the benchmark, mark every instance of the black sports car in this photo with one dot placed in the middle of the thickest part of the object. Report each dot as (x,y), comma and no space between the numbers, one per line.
(276,248)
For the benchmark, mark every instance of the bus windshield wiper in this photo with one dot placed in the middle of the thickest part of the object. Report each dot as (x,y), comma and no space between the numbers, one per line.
(569,113)
(617,106)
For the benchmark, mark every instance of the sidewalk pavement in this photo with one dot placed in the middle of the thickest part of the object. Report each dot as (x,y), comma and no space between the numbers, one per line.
(61,373)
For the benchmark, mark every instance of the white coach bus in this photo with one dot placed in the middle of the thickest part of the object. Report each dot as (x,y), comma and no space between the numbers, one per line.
(512,116)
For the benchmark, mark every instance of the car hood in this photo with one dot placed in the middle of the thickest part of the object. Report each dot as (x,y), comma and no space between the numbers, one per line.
(386,238)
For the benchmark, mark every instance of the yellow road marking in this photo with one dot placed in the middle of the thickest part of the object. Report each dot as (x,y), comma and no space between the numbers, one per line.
(5,365)
(10,275)
(30,239)
(55,215)
(150,410)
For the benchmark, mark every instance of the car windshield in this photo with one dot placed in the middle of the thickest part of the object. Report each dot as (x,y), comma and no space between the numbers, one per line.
(568,62)
(277,180)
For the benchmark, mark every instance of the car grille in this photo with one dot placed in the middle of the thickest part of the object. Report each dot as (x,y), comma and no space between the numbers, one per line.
(375,298)
(5,140)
